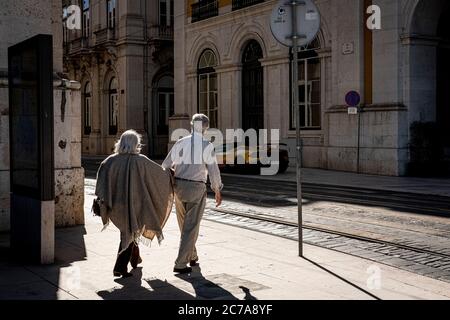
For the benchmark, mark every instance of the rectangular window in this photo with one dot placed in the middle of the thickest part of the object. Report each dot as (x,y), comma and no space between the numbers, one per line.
(65,29)
(86,19)
(111,14)
(309,95)
(87,115)
(113,113)
(208,97)
(204,9)
(162,12)
(166,13)
(171,12)
(165,110)
(239,4)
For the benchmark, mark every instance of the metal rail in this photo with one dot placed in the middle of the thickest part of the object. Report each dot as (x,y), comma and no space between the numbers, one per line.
(433,204)
(342,234)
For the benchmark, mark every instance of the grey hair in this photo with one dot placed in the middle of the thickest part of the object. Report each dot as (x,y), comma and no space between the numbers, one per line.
(197,119)
(129,143)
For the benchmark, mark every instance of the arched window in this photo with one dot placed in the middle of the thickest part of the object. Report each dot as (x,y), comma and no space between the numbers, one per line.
(252,52)
(252,87)
(309,96)
(87,111)
(207,86)
(113,107)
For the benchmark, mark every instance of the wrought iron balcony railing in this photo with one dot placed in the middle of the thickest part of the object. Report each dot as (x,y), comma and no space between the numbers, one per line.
(239,4)
(204,9)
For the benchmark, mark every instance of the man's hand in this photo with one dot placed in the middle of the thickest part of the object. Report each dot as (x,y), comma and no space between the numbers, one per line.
(218,199)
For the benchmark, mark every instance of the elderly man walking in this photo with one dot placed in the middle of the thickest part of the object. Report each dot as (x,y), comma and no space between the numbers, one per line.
(192,158)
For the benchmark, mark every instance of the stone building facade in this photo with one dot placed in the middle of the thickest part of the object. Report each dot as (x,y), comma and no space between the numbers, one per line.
(20,20)
(228,64)
(123,58)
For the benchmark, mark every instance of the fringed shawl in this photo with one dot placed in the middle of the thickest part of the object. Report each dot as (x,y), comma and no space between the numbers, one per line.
(137,196)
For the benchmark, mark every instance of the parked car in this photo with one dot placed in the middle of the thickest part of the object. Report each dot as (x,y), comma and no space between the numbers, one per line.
(247,159)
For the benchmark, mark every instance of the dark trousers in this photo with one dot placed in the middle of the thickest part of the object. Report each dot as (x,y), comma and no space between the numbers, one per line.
(130,255)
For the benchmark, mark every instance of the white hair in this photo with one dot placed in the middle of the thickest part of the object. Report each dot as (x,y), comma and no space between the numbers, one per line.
(197,119)
(129,143)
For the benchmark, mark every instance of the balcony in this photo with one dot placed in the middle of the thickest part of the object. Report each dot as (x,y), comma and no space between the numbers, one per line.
(104,36)
(78,45)
(239,4)
(204,9)
(161,33)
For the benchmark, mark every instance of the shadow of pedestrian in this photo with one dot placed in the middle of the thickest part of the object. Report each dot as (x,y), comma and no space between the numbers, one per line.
(132,289)
(248,295)
(204,288)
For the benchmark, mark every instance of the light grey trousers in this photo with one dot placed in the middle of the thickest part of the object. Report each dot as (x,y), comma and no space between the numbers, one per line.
(190,202)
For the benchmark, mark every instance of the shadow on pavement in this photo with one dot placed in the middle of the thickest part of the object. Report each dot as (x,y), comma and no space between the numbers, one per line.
(342,279)
(30,282)
(132,289)
(204,288)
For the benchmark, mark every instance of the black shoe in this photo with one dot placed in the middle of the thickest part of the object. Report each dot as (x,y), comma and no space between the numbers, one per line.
(135,257)
(134,264)
(182,270)
(122,274)
(193,263)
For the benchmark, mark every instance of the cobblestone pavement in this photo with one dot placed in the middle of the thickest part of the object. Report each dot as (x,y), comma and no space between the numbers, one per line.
(435,265)
(431,265)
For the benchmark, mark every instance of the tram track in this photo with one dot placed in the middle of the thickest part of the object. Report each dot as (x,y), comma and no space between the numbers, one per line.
(417,260)
(403,201)
(329,231)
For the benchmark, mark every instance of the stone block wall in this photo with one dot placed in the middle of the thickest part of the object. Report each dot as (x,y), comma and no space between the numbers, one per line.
(69,175)
(28,18)
(383,140)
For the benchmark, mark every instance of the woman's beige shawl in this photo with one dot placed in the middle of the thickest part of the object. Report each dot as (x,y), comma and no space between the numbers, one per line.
(137,196)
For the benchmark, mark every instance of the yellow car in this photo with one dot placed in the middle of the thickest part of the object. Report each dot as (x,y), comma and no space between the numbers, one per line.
(244,159)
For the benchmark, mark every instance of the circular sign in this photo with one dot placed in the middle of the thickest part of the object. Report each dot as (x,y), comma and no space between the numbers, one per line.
(352,98)
(308,22)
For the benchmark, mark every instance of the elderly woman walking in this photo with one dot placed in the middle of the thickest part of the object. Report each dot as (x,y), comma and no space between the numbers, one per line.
(136,195)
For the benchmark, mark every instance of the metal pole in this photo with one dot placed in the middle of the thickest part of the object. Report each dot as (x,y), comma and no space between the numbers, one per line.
(296,106)
(359,141)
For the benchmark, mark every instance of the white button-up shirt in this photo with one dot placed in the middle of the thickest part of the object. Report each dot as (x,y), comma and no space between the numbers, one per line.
(193,158)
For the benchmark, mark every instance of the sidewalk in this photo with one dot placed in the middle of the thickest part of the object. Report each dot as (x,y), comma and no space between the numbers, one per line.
(235,263)
(427,186)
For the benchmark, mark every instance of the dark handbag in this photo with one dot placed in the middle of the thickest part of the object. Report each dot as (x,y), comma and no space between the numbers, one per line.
(96,207)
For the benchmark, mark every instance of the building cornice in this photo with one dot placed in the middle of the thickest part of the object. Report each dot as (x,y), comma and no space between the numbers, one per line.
(59,82)
(419,39)
(271,61)
(381,107)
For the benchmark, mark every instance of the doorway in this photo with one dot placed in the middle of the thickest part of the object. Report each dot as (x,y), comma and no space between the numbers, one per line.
(164,108)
